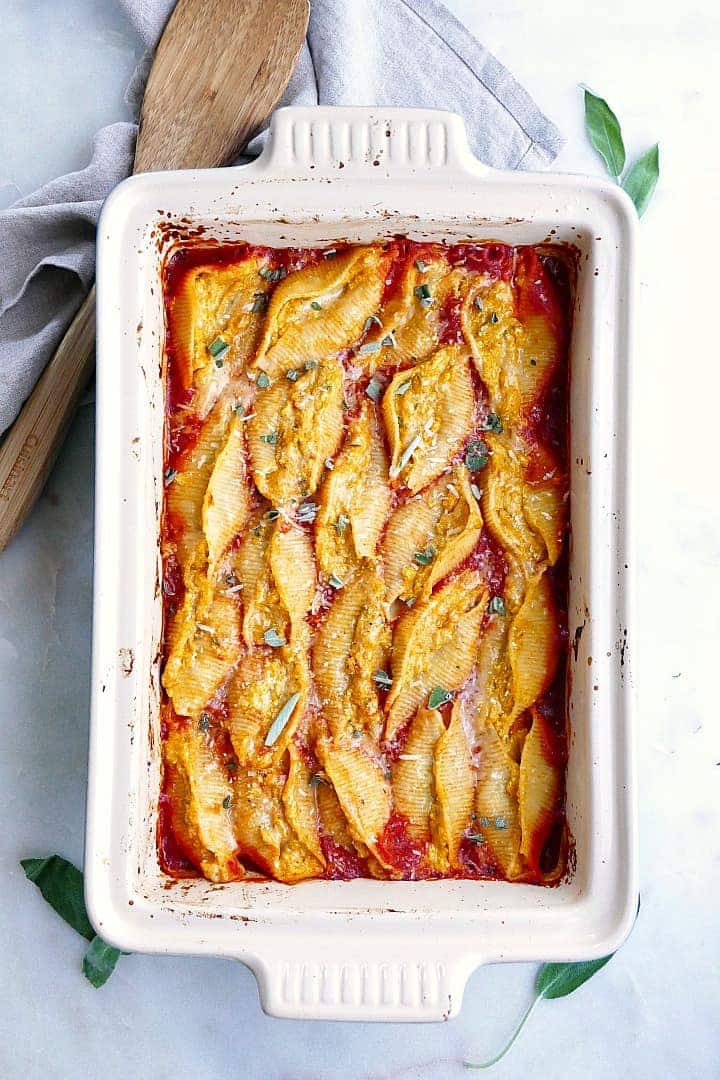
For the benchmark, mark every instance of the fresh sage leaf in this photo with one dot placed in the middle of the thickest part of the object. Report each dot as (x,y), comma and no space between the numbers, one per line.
(559,980)
(99,962)
(604,133)
(553,981)
(61,884)
(642,177)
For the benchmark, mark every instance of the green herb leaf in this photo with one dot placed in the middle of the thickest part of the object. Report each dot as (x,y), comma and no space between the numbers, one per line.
(227,802)
(315,305)
(271,438)
(389,341)
(438,696)
(493,423)
(218,347)
(559,980)
(99,962)
(405,457)
(422,267)
(476,491)
(204,722)
(273,639)
(271,515)
(497,606)
(169,475)
(281,720)
(604,133)
(318,778)
(335,582)
(369,347)
(263,380)
(553,981)
(293,374)
(369,321)
(260,302)
(642,177)
(382,679)
(307,513)
(342,523)
(311,365)
(61,884)
(477,455)
(424,558)
(374,388)
(403,388)
(476,837)
(423,293)
(272,275)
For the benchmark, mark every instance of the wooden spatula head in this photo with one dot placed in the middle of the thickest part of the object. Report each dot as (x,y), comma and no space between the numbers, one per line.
(219,71)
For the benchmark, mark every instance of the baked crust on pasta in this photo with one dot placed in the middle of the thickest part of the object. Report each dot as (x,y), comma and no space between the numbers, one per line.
(364,544)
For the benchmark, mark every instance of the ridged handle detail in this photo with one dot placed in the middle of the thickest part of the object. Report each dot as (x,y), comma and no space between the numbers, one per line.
(369,141)
(359,990)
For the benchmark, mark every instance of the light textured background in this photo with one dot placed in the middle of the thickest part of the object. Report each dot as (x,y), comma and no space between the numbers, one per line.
(653,1012)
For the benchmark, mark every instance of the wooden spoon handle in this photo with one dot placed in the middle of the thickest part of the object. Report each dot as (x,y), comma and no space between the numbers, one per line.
(32,444)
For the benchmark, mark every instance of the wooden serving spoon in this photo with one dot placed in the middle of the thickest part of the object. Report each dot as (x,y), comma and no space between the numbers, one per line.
(219,71)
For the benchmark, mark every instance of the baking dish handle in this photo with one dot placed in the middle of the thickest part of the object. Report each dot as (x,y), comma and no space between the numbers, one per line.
(375,143)
(379,983)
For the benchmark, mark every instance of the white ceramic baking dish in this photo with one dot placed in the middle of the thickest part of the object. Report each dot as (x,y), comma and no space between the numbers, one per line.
(358,950)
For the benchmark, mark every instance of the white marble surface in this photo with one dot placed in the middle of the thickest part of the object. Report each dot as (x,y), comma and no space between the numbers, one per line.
(653,1012)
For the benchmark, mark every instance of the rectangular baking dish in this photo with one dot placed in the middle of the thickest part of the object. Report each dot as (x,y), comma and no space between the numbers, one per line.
(358,950)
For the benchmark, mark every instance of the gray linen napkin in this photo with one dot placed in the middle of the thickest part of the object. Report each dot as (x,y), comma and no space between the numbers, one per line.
(379,52)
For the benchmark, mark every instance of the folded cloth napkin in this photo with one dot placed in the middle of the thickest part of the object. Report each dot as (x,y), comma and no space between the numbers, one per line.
(379,52)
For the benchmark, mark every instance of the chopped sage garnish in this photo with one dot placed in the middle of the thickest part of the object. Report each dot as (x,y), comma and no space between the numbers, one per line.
(493,423)
(403,387)
(369,321)
(281,720)
(272,275)
(273,639)
(424,558)
(271,438)
(374,389)
(369,347)
(382,678)
(497,606)
(169,475)
(335,582)
(307,513)
(477,455)
(218,347)
(438,696)
(405,457)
